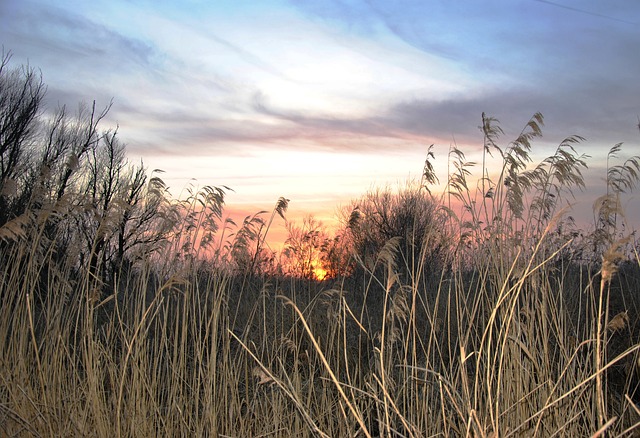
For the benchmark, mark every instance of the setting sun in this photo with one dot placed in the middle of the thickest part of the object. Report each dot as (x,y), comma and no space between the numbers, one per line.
(318,271)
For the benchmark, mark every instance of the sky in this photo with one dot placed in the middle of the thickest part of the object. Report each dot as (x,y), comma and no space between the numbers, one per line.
(320,101)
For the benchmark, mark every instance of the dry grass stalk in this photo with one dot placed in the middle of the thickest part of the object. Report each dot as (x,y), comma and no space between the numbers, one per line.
(503,341)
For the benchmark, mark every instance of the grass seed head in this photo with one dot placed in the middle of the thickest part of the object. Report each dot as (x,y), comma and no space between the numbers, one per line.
(618,322)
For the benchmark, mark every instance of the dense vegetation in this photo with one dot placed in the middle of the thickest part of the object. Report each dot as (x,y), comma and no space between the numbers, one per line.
(481,312)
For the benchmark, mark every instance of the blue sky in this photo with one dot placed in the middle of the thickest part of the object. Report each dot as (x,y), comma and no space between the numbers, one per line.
(319,100)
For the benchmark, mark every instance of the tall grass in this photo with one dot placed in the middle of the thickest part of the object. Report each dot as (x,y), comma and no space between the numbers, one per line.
(512,336)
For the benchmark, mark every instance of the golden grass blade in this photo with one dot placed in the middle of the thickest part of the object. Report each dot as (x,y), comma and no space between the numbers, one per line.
(267,377)
(335,380)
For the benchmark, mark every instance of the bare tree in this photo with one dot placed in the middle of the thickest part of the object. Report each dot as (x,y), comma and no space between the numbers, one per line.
(303,247)
(21,94)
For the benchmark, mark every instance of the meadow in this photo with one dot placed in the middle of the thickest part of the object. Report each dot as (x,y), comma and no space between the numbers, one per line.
(482,311)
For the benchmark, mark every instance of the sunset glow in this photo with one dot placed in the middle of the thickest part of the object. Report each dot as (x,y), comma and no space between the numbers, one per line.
(319,272)
(319,101)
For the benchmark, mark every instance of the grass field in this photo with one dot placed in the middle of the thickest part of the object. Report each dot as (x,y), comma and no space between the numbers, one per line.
(203,353)
(521,326)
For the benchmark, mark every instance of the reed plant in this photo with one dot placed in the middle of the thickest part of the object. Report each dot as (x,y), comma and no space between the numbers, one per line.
(506,333)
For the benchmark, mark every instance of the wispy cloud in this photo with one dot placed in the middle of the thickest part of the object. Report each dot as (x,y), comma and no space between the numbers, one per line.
(220,87)
(70,38)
